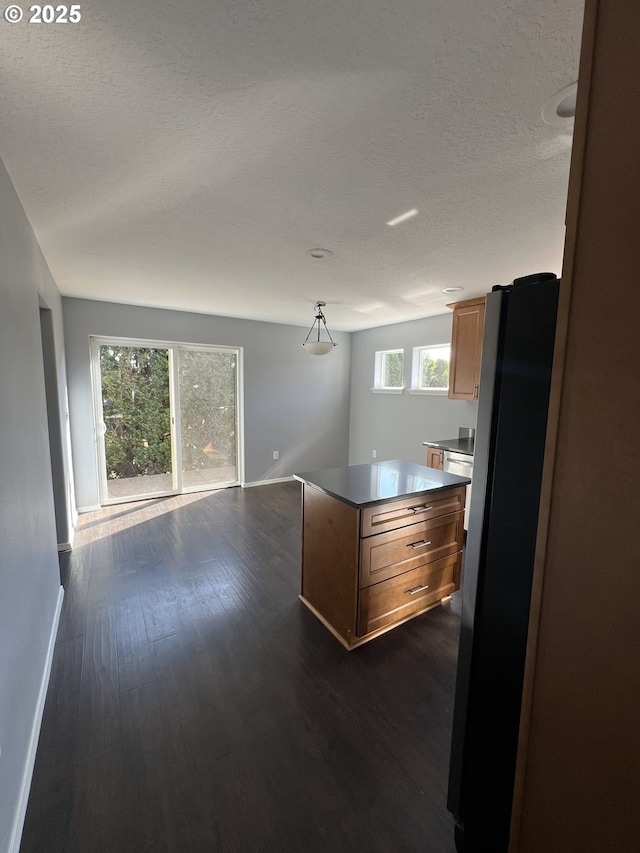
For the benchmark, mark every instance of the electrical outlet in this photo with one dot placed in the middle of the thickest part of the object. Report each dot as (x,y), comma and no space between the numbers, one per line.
(276,454)
(374,454)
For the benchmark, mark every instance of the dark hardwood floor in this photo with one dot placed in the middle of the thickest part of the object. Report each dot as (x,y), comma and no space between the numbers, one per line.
(196,705)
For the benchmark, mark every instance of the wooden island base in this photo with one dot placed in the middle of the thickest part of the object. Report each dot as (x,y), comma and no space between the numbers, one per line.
(359,641)
(370,566)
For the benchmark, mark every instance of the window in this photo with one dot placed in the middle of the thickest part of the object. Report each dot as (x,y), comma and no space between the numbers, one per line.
(388,371)
(430,374)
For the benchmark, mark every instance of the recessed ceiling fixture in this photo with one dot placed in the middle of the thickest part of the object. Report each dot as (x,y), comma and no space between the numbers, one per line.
(451,289)
(403,217)
(318,254)
(560,110)
(316,346)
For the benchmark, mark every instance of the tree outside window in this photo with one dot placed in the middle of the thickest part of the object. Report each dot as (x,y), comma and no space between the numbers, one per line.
(389,365)
(431,368)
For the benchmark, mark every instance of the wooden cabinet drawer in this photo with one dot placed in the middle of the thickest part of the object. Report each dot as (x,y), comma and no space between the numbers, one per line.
(407,594)
(389,516)
(389,554)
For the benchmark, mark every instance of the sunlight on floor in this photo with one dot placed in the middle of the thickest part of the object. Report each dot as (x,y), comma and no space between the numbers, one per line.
(93,526)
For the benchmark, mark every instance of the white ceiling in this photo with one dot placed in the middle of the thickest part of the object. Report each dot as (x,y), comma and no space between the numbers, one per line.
(187,153)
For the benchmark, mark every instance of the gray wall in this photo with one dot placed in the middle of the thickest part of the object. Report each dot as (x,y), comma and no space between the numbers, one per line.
(395,425)
(293,402)
(29,575)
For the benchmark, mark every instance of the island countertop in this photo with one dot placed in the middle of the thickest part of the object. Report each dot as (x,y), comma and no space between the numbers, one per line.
(377,482)
(458,445)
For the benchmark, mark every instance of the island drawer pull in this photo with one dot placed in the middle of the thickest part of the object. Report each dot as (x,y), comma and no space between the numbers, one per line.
(422,508)
(417,589)
(420,544)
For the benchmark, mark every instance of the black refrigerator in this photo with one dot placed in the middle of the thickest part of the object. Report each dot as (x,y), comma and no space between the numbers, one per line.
(515,377)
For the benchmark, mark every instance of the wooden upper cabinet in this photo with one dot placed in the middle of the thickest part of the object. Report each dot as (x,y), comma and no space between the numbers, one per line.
(466,348)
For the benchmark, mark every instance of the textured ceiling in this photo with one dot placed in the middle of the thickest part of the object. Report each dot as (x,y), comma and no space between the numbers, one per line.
(188,154)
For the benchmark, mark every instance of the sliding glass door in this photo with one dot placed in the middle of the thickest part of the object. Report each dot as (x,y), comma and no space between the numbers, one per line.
(134,388)
(167,416)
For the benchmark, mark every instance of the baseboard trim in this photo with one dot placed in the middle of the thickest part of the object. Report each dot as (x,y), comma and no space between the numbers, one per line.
(82,509)
(23,799)
(267,482)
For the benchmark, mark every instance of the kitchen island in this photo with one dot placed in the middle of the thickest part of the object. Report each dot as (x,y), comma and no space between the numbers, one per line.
(381,543)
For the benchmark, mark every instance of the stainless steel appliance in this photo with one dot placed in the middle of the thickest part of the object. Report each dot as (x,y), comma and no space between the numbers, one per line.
(461,464)
(515,378)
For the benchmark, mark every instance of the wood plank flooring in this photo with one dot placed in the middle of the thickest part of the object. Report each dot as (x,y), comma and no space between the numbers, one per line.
(196,705)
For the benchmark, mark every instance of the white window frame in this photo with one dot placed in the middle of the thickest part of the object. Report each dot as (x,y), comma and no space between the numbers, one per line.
(379,373)
(416,371)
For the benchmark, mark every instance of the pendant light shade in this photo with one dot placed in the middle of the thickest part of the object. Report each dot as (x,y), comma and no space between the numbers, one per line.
(313,344)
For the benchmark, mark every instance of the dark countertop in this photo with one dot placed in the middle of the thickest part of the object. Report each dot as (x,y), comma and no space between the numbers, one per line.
(364,485)
(459,445)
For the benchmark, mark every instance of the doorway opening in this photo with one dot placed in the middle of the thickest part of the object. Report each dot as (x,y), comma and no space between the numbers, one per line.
(54,427)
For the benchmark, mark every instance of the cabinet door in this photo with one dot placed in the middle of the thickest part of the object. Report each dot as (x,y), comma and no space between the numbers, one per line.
(466,349)
(435,458)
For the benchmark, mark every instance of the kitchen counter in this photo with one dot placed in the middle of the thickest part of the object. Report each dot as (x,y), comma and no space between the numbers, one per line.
(369,484)
(381,544)
(458,445)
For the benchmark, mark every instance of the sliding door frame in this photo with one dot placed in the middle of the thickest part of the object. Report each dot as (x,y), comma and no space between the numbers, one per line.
(239,424)
(173,347)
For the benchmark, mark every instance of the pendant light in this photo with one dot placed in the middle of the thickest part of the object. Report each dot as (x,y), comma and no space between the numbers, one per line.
(312,343)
